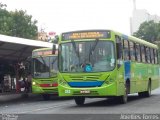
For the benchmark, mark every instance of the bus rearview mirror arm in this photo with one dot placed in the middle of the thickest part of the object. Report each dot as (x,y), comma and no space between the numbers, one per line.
(53,49)
(56,39)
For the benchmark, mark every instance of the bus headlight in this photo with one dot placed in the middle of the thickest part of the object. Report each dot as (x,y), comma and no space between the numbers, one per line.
(109,81)
(33,83)
(63,82)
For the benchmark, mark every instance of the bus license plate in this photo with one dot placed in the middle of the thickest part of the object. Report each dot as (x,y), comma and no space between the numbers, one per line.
(85,91)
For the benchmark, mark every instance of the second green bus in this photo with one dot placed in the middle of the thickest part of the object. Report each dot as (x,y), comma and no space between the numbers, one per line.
(44,69)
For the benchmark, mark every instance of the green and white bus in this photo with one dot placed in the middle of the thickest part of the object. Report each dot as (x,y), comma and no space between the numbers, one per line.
(105,63)
(44,69)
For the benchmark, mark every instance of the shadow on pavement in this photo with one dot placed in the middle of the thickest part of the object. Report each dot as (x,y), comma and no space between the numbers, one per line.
(111,102)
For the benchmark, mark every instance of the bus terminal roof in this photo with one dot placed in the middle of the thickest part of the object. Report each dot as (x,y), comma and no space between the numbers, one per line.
(16,49)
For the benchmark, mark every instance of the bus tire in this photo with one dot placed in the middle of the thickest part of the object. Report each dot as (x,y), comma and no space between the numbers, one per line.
(79,100)
(46,97)
(124,98)
(148,92)
(141,94)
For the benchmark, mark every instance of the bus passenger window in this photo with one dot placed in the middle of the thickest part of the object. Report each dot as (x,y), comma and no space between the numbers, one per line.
(156,58)
(138,52)
(143,53)
(148,55)
(126,50)
(152,56)
(120,42)
(132,51)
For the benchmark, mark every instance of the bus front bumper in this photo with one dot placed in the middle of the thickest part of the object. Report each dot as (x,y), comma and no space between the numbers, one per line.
(44,90)
(109,90)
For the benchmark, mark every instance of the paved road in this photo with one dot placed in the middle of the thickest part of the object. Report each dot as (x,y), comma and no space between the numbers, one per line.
(36,105)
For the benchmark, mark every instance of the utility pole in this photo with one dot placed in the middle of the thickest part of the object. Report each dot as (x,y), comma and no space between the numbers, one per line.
(134,4)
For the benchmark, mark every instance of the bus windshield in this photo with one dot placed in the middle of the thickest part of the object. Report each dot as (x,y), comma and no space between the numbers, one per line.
(45,66)
(88,56)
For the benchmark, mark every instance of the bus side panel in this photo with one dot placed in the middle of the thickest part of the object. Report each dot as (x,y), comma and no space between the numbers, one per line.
(120,81)
(156,76)
(133,79)
(141,73)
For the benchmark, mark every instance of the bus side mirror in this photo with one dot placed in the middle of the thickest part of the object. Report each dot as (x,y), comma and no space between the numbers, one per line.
(53,49)
(119,50)
(56,39)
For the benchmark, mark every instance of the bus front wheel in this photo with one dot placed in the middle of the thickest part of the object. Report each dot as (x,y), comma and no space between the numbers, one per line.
(124,98)
(79,100)
(148,92)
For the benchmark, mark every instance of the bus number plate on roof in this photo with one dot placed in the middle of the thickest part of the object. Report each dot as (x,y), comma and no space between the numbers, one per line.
(86,35)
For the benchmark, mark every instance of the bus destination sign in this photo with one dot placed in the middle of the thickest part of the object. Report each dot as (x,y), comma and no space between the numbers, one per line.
(86,35)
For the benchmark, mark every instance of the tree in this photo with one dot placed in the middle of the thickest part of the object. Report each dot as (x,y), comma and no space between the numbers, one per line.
(23,26)
(17,23)
(2,5)
(149,31)
(5,19)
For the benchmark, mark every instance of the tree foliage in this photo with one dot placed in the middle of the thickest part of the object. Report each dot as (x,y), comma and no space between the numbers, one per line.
(17,23)
(149,31)
(2,5)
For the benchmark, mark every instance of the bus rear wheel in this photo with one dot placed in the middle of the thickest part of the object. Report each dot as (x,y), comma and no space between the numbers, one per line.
(79,100)
(148,92)
(46,97)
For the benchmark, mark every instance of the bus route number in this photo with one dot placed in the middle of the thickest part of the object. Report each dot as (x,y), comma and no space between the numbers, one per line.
(67,91)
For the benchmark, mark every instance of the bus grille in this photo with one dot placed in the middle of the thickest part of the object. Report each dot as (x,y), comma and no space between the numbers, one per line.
(86,84)
(51,90)
(85,77)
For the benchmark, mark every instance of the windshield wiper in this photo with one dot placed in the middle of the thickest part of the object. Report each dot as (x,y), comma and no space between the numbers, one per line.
(43,61)
(93,48)
(54,60)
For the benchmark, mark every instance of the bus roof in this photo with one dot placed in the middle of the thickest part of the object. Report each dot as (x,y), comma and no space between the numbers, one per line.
(136,40)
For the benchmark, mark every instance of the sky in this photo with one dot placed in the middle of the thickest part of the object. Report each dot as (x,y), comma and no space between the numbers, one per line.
(69,15)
